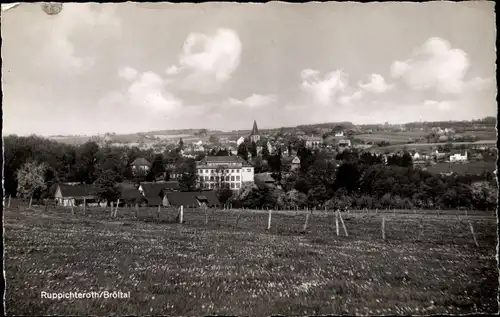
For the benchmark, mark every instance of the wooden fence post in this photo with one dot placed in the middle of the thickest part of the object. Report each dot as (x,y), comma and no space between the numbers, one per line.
(31,200)
(305,223)
(116,209)
(181,219)
(473,234)
(8,204)
(84,204)
(465,210)
(136,210)
(111,205)
(72,210)
(337,222)
(238,218)
(343,224)
(383,228)
(269,220)
(376,211)
(206,214)
(158,212)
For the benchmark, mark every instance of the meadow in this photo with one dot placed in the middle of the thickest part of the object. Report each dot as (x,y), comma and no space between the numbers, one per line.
(427,264)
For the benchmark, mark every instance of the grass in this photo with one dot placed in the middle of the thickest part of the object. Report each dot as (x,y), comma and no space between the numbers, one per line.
(391,137)
(198,269)
(473,168)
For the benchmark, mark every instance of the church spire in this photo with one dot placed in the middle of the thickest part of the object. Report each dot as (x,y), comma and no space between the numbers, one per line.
(255,131)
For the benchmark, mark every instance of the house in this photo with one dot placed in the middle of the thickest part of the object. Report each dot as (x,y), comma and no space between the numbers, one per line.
(339,134)
(295,163)
(255,135)
(155,192)
(458,157)
(230,171)
(344,143)
(192,199)
(140,165)
(314,142)
(74,195)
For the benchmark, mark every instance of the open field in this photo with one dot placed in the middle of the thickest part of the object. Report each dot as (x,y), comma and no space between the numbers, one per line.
(473,168)
(391,137)
(220,268)
(430,146)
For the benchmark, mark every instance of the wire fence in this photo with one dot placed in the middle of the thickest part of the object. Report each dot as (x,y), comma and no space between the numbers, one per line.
(425,226)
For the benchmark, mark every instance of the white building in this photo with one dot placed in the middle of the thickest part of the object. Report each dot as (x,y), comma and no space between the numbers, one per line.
(224,171)
(339,134)
(240,140)
(458,157)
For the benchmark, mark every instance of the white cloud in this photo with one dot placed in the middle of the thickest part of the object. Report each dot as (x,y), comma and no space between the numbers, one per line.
(127,73)
(433,66)
(478,84)
(440,105)
(172,70)
(376,85)
(350,99)
(208,60)
(323,90)
(148,91)
(59,50)
(254,101)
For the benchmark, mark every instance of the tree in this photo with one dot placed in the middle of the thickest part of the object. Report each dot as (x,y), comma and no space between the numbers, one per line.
(189,177)
(213,139)
(181,144)
(253,149)
(265,152)
(224,194)
(106,185)
(158,167)
(243,151)
(31,179)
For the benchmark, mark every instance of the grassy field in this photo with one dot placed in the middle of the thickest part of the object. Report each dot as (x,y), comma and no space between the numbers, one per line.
(391,137)
(220,268)
(429,146)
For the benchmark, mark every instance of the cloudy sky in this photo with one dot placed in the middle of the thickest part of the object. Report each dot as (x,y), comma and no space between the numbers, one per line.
(96,68)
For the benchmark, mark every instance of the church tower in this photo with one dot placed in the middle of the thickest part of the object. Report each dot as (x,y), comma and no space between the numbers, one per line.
(255,136)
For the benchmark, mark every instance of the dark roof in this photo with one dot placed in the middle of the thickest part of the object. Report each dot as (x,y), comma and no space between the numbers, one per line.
(155,189)
(129,192)
(192,198)
(223,159)
(80,190)
(255,131)
(264,177)
(140,161)
(154,201)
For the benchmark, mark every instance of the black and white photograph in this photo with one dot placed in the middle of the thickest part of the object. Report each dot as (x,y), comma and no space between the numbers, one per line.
(249,159)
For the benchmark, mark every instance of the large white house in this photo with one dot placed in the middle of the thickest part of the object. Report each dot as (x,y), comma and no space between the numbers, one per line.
(224,171)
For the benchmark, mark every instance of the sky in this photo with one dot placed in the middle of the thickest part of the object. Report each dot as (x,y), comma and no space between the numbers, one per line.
(128,67)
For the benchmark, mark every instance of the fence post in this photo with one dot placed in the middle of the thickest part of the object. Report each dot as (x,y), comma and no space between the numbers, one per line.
(473,234)
(206,214)
(8,204)
(181,219)
(376,211)
(136,210)
(337,222)
(305,224)
(116,209)
(383,228)
(84,204)
(31,200)
(465,210)
(72,210)
(343,224)
(158,212)
(269,220)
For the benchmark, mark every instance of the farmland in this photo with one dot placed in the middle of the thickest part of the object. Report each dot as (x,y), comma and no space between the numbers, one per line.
(392,137)
(430,146)
(226,267)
